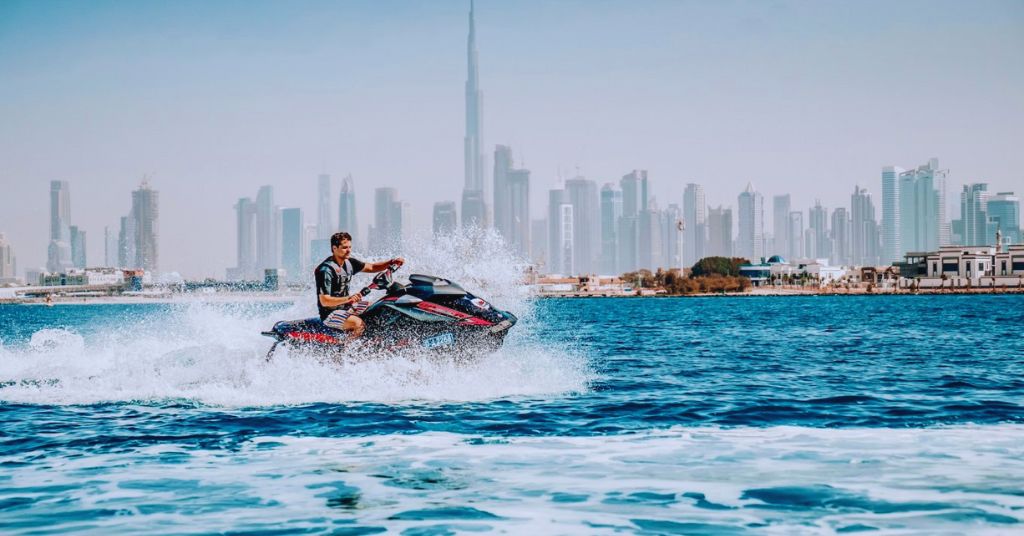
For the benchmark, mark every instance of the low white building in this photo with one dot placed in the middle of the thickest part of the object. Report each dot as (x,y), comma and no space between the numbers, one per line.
(964,266)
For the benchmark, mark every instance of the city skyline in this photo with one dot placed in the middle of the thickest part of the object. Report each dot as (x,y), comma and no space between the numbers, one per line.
(560,124)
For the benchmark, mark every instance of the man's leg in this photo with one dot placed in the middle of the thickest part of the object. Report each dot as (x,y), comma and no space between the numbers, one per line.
(348,319)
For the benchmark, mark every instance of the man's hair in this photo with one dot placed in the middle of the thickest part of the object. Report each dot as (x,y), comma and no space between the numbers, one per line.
(337,238)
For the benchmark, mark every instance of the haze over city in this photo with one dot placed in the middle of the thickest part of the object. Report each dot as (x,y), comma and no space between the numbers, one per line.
(212,101)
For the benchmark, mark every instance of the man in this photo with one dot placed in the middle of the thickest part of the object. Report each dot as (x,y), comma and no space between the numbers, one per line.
(337,309)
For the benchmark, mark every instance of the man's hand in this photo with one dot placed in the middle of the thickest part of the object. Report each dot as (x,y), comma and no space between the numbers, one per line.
(397,260)
(353,299)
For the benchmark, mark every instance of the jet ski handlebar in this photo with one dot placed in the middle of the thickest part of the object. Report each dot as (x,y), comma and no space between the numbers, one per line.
(381,281)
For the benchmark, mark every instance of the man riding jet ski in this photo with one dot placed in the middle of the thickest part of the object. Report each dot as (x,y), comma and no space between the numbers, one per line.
(429,312)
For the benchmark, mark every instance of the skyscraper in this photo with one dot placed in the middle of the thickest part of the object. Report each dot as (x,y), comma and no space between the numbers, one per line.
(347,207)
(324,227)
(695,218)
(77,235)
(518,184)
(268,233)
(556,231)
(444,217)
(8,264)
(611,211)
(245,248)
(634,202)
(539,241)
(892,226)
(865,247)
(719,232)
(1004,210)
(780,226)
(109,247)
(474,207)
(389,213)
(59,249)
(922,212)
(582,195)
(795,240)
(292,242)
(750,241)
(146,215)
(820,245)
(979,228)
(502,208)
(841,236)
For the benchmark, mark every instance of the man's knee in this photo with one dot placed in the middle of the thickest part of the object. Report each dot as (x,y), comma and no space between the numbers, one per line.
(354,324)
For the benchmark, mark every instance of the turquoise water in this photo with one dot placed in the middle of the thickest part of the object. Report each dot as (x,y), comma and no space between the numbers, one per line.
(802,415)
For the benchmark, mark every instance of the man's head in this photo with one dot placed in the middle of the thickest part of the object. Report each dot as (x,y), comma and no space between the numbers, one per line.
(341,245)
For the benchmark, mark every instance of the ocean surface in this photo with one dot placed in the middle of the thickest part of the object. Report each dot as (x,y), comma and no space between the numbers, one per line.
(796,415)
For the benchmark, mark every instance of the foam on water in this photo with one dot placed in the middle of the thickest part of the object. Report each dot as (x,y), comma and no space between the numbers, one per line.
(213,353)
(780,480)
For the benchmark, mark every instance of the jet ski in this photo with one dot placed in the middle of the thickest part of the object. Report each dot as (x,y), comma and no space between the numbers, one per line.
(429,313)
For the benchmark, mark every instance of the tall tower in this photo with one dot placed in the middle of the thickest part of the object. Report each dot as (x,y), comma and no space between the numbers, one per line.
(750,242)
(347,207)
(59,250)
(474,206)
(146,213)
(695,216)
(324,226)
(892,226)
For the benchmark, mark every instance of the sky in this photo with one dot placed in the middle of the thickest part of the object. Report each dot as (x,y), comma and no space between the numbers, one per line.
(211,100)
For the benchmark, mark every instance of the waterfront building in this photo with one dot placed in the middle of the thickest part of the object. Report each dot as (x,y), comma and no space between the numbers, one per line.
(518,185)
(780,225)
(146,215)
(750,241)
(891,221)
(719,232)
(865,247)
(8,263)
(819,244)
(59,249)
(77,239)
(611,212)
(268,232)
(444,219)
(293,259)
(695,220)
(474,206)
(347,208)
(964,266)
(324,225)
(1004,211)
(583,196)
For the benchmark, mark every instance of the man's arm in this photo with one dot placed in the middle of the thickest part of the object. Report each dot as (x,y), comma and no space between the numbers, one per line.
(373,267)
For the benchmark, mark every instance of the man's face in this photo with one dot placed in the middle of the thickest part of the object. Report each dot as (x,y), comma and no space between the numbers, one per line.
(343,250)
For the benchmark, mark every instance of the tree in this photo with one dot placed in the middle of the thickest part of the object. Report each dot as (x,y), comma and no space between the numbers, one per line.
(718,266)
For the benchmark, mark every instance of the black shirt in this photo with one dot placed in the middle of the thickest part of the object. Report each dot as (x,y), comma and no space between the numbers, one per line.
(332,280)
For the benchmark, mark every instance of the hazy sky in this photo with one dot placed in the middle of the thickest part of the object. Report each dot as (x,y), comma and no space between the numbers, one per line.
(214,99)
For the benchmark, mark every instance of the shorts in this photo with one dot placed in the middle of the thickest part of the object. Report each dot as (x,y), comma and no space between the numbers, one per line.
(337,317)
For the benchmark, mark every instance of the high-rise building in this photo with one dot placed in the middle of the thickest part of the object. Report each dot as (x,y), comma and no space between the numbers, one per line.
(583,196)
(695,220)
(347,208)
(719,232)
(865,238)
(820,244)
(518,185)
(841,236)
(672,237)
(539,242)
(649,238)
(634,202)
(146,213)
(502,201)
(750,241)
(59,249)
(292,241)
(611,212)
(922,212)
(324,226)
(245,246)
(979,229)
(780,226)
(445,219)
(77,235)
(892,230)
(109,247)
(795,240)
(268,233)
(8,264)
(1004,210)
(474,206)
(388,220)
(126,242)
(566,238)
(556,231)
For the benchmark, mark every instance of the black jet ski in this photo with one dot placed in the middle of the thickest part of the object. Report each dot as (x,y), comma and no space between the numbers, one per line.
(428,313)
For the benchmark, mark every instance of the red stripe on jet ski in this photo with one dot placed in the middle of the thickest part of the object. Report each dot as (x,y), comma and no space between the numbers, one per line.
(431,307)
(312,337)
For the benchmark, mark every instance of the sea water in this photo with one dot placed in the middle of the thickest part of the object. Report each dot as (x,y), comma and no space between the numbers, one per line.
(795,415)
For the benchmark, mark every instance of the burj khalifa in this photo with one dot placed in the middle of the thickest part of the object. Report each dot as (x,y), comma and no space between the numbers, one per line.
(474,208)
